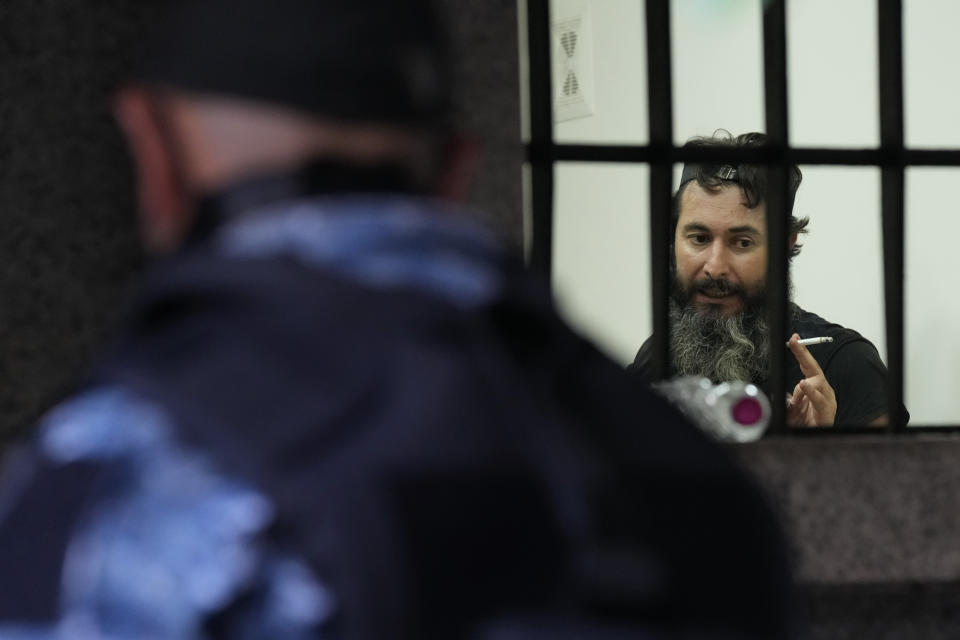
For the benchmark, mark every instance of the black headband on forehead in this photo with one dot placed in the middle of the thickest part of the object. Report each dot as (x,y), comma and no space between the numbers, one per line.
(724,172)
(721,171)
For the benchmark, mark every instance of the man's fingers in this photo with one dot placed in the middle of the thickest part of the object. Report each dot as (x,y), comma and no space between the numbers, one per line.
(812,391)
(808,364)
(812,403)
(818,385)
(794,415)
(795,407)
(820,400)
(797,394)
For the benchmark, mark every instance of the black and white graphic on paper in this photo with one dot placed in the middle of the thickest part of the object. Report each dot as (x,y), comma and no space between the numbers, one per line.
(572,65)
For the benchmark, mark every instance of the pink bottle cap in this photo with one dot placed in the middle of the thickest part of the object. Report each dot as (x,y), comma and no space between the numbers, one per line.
(747,411)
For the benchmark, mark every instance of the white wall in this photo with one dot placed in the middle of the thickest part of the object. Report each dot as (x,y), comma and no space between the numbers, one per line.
(601,232)
(601,229)
(932,105)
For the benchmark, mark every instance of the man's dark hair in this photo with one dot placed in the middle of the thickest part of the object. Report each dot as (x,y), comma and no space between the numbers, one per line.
(751,178)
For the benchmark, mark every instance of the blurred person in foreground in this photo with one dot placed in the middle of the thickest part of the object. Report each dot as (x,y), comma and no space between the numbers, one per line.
(338,409)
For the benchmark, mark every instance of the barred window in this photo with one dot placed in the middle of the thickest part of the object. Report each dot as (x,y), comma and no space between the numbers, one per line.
(614,88)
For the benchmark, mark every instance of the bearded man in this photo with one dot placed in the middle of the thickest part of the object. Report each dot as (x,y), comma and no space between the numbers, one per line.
(717,306)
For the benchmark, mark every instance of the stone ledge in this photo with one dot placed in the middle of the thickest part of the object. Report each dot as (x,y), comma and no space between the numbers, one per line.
(865,508)
(880,611)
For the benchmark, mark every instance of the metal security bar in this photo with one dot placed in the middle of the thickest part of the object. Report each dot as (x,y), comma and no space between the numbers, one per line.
(660,110)
(775,94)
(814,156)
(541,136)
(891,157)
(890,35)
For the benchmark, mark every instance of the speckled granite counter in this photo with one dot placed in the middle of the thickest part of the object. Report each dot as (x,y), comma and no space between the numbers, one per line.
(874,523)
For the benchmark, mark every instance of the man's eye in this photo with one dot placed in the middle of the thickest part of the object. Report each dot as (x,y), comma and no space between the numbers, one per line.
(700,238)
(744,243)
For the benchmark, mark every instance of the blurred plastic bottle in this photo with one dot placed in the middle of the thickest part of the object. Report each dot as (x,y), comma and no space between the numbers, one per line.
(729,411)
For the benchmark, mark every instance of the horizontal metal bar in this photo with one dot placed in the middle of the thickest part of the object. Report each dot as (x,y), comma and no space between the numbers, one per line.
(541,152)
(881,432)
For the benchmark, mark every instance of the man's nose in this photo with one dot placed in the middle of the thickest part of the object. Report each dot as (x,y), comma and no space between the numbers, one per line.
(717,264)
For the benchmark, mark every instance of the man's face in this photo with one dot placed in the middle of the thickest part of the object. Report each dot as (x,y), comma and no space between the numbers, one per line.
(720,248)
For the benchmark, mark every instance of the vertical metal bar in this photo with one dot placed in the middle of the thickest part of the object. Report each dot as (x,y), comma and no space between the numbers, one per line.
(660,113)
(775,94)
(890,40)
(541,136)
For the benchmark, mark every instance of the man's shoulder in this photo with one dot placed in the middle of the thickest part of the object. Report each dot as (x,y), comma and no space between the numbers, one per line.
(806,322)
(643,362)
(847,343)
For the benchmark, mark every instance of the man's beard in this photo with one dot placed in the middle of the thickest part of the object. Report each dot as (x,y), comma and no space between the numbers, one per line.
(703,342)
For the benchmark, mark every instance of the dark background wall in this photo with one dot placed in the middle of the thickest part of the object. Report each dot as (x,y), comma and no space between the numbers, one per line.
(68,245)
(67,239)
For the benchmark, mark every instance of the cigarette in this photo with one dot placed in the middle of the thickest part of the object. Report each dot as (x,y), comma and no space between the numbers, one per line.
(807,341)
